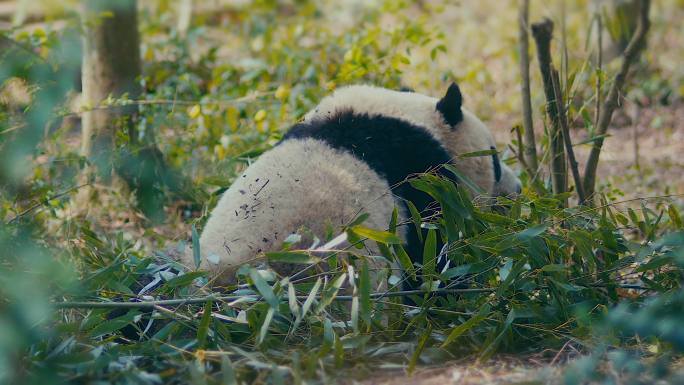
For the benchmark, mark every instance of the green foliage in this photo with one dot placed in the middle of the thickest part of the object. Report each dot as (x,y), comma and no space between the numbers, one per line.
(528,279)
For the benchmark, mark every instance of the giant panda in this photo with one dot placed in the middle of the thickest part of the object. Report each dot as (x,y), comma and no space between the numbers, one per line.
(349,155)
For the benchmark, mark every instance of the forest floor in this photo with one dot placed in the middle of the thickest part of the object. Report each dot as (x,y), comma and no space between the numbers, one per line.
(501,370)
(641,158)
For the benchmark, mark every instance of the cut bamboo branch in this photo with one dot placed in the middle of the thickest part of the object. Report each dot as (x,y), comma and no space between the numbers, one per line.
(530,146)
(542,33)
(612,100)
(231,298)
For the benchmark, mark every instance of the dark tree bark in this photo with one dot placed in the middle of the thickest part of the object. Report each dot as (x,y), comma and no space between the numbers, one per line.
(542,33)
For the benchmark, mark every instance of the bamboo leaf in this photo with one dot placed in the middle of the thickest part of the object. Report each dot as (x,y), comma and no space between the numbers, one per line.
(419,349)
(365,290)
(265,325)
(358,220)
(531,232)
(673,213)
(203,328)
(185,279)
(227,371)
(263,287)
(394,220)
(376,235)
(416,218)
(312,296)
(295,257)
(430,256)
(404,260)
(292,299)
(462,178)
(196,247)
(490,348)
(467,325)
(480,153)
(331,292)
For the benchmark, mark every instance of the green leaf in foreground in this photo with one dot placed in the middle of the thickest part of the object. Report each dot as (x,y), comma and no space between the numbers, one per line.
(419,349)
(115,324)
(376,235)
(674,216)
(203,328)
(464,327)
(430,256)
(196,247)
(227,371)
(263,287)
(404,260)
(464,179)
(296,257)
(416,219)
(264,326)
(331,292)
(365,290)
(531,232)
(185,279)
(476,154)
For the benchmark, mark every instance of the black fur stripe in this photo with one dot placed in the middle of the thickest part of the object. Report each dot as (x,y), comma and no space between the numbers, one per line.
(497,164)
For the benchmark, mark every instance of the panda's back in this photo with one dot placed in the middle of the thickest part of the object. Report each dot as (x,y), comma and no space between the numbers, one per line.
(299,183)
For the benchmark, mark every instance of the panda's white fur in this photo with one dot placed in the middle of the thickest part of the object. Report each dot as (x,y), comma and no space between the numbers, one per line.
(470,135)
(304,182)
(296,184)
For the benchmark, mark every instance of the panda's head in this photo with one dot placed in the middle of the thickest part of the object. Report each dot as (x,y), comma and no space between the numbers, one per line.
(459,131)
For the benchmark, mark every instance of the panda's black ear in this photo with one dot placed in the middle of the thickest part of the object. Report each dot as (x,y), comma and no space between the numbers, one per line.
(450,105)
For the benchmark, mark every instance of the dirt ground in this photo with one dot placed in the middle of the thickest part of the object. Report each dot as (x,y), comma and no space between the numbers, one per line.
(498,371)
(642,157)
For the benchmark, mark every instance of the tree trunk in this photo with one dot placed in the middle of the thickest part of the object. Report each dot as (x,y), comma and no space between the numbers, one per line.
(111,68)
(524,44)
(542,33)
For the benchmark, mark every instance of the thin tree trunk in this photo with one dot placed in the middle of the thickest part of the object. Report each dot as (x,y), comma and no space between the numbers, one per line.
(530,147)
(631,53)
(563,120)
(635,136)
(542,33)
(184,16)
(599,66)
(111,68)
